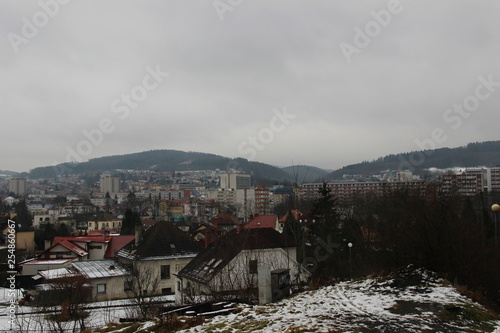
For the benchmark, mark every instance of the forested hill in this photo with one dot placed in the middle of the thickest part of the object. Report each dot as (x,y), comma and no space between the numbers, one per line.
(166,161)
(472,155)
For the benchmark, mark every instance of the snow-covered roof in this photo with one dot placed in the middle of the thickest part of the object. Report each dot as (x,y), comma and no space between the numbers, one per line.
(48,261)
(95,269)
(57,273)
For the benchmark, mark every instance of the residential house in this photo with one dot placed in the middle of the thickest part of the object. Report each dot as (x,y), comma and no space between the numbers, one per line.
(8,200)
(205,233)
(265,221)
(105,221)
(162,252)
(184,225)
(172,208)
(228,267)
(58,285)
(108,278)
(65,250)
(105,280)
(24,234)
(225,222)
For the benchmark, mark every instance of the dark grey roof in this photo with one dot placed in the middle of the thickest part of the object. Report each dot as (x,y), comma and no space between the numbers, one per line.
(161,240)
(219,253)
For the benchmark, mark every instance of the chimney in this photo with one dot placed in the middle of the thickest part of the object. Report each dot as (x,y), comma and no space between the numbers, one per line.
(138,233)
(47,244)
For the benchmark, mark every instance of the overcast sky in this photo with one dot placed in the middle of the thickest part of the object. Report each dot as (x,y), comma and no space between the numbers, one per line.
(324,83)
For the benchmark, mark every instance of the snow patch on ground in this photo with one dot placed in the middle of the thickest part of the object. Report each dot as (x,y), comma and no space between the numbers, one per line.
(375,305)
(406,301)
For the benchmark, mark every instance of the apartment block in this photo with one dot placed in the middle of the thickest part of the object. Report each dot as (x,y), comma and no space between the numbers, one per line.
(470,182)
(493,179)
(109,183)
(345,191)
(17,186)
(236,181)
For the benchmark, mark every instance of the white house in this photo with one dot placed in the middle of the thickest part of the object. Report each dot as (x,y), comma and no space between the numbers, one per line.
(159,256)
(228,267)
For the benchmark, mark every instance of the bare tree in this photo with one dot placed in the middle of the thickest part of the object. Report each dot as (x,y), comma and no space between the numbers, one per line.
(142,284)
(62,308)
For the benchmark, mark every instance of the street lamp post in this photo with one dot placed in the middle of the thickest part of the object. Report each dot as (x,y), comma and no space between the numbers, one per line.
(350,271)
(495,208)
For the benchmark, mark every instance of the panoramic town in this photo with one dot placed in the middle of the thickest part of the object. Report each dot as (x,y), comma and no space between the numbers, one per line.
(192,243)
(231,166)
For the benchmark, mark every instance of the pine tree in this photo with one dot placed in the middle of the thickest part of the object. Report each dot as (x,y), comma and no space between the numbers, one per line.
(23,216)
(130,220)
(324,212)
(62,230)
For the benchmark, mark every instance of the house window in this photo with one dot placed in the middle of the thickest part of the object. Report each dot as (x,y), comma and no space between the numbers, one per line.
(95,247)
(127,285)
(59,255)
(252,266)
(165,271)
(166,291)
(101,288)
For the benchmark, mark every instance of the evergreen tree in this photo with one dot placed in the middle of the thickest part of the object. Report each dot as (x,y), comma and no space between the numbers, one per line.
(130,220)
(325,215)
(48,233)
(292,227)
(132,201)
(62,230)
(23,216)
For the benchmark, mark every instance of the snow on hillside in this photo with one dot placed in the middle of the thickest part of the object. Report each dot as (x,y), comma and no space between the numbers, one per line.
(409,302)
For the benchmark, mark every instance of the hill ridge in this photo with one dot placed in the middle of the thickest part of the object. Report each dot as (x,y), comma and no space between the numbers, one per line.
(170,160)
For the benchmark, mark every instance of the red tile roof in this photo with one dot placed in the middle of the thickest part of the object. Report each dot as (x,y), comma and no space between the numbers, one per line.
(262,221)
(83,239)
(117,243)
(224,219)
(78,250)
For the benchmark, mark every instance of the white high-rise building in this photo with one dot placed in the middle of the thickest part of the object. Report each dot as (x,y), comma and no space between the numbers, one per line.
(493,179)
(109,183)
(235,181)
(17,186)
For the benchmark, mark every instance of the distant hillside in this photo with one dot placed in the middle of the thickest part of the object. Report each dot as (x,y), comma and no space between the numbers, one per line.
(7,173)
(474,154)
(305,173)
(166,161)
